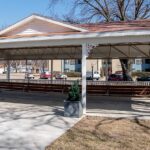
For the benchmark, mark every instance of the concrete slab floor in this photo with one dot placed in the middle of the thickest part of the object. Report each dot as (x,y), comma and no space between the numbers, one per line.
(118,106)
(31,121)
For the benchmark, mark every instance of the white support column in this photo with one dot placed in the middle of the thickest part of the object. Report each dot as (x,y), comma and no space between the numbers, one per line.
(84,55)
(8,70)
(97,65)
(62,65)
(51,71)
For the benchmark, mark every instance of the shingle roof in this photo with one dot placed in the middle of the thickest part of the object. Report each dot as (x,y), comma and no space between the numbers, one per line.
(118,26)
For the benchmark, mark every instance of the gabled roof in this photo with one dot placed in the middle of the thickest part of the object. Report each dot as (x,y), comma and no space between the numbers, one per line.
(138,25)
(42,18)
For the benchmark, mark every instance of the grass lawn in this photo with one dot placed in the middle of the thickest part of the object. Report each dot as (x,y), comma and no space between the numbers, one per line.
(97,133)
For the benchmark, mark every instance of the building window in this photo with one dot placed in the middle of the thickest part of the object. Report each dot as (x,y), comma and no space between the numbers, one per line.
(138,61)
(147,61)
(72,62)
(66,61)
(79,61)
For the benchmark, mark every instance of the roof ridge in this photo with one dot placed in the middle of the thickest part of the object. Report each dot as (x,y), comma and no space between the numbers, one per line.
(116,22)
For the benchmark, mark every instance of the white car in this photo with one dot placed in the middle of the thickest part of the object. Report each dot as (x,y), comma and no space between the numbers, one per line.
(61,76)
(94,76)
(29,75)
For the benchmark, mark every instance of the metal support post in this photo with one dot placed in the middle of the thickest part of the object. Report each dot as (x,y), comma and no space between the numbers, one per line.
(8,70)
(107,70)
(51,71)
(26,65)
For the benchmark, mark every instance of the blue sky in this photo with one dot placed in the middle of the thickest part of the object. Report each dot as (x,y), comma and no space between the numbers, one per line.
(12,11)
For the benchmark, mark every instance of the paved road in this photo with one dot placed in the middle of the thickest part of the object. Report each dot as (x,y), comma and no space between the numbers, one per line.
(22,76)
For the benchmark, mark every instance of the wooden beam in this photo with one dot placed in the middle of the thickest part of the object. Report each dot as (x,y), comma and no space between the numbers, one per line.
(139,50)
(118,50)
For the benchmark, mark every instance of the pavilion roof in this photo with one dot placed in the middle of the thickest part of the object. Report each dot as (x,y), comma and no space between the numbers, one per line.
(87,28)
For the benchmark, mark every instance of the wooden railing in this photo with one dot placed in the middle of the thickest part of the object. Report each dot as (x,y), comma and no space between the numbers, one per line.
(93,87)
(70,82)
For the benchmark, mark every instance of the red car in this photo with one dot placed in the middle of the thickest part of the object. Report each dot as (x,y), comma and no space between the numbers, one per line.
(115,77)
(45,75)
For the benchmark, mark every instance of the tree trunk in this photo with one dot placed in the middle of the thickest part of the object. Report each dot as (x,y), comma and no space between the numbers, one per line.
(125,69)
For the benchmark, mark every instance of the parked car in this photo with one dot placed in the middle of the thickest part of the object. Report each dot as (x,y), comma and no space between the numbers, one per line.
(115,77)
(60,76)
(45,75)
(143,79)
(94,76)
(29,75)
(119,77)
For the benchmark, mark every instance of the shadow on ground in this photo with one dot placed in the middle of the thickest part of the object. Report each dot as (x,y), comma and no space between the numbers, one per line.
(125,106)
(31,120)
(99,105)
(47,99)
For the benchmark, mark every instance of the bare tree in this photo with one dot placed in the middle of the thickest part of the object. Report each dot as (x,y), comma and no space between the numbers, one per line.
(36,64)
(85,11)
(107,10)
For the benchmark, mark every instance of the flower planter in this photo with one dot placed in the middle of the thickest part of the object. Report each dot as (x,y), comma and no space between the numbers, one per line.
(73,109)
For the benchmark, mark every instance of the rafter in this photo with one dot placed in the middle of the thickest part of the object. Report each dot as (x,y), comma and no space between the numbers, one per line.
(139,50)
(118,50)
(109,52)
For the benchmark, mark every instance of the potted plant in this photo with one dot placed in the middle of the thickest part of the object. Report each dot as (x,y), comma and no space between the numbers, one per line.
(73,106)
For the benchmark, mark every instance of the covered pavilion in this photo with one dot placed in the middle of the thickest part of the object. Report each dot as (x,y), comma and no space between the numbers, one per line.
(38,37)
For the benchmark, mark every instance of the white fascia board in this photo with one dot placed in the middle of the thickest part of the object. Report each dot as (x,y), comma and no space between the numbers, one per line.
(79,36)
(79,39)
(28,19)
(14,26)
(69,42)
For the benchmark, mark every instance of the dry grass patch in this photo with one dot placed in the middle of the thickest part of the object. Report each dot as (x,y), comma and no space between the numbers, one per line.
(96,133)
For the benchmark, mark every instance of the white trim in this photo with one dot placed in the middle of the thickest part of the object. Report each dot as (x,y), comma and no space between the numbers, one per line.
(78,39)
(28,19)
(67,42)
(20,23)
(79,36)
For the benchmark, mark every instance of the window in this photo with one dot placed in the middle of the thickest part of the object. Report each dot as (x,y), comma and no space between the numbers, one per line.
(66,61)
(138,61)
(147,61)
(78,69)
(79,61)
(72,62)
